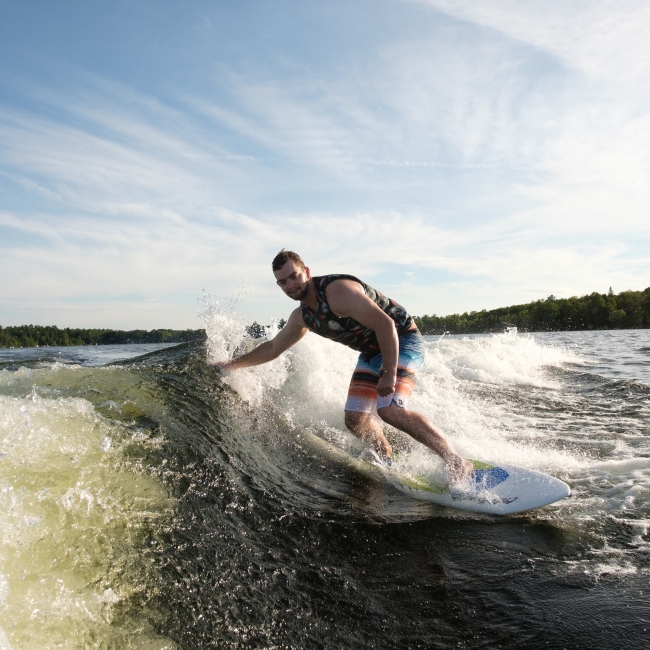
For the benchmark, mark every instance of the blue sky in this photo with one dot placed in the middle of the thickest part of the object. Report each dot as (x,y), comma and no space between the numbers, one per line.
(457,155)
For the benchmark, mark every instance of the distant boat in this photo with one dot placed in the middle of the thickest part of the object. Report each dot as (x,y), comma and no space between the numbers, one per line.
(506,328)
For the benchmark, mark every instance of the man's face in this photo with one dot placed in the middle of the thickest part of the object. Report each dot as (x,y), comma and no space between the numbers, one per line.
(293,280)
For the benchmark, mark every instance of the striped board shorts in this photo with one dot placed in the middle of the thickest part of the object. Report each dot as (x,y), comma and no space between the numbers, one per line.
(362,394)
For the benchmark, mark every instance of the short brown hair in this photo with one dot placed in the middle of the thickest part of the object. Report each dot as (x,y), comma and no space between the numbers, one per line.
(284,256)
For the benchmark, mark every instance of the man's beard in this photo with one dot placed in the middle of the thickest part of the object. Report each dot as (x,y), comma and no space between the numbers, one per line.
(302,295)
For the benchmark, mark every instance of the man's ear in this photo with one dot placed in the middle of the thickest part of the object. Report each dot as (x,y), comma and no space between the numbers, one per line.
(308,272)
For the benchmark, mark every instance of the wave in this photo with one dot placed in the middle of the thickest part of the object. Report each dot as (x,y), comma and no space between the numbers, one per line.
(308,385)
(156,501)
(504,398)
(75,518)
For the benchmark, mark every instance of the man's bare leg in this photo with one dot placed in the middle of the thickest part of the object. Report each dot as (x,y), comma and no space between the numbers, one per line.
(421,428)
(368,427)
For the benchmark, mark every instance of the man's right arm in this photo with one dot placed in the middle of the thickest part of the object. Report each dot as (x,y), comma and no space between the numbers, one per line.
(288,336)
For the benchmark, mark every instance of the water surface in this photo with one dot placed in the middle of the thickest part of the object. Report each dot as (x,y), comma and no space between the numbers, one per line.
(154,503)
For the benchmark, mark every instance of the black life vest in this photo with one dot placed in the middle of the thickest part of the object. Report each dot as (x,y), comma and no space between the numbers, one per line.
(347,330)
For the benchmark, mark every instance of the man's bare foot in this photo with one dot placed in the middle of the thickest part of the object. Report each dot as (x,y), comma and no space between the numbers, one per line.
(382,447)
(369,455)
(459,468)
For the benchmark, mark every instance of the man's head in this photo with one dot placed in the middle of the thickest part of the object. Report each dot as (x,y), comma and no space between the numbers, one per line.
(284,256)
(291,274)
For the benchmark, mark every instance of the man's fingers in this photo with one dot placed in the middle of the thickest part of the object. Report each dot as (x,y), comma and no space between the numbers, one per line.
(384,391)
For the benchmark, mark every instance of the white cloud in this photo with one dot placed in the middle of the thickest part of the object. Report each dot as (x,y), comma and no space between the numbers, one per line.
(600,37)
(485,103)
(484,265)
(84,169)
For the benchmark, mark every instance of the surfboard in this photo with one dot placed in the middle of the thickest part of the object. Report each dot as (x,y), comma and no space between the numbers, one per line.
(492,488)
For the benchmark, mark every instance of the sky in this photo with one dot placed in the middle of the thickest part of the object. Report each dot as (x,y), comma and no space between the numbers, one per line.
(457,155)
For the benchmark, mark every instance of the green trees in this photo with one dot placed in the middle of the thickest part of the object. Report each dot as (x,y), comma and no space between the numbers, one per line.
(628,309)
(30,336)
(153,336)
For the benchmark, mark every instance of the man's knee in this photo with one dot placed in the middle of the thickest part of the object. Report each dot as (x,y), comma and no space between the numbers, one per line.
(355,421)
(391,414)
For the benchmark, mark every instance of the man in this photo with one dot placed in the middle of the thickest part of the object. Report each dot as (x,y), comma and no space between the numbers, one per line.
(346,310)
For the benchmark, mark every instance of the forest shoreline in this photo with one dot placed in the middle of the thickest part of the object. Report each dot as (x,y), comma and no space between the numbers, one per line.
(596,311)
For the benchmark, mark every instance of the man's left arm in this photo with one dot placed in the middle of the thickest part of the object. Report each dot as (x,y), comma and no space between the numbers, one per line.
(347,298)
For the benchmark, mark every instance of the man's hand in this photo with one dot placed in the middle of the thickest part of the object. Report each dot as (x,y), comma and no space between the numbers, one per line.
(289,335)
(386,385)
(459,468)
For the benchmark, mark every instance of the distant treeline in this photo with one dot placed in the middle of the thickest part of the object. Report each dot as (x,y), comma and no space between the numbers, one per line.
(30,336)
(597,311)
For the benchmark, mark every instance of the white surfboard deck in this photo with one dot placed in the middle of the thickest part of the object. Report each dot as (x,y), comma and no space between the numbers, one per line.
(493,488)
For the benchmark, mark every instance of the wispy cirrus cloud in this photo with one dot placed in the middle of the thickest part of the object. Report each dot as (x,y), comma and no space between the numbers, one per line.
(602,38)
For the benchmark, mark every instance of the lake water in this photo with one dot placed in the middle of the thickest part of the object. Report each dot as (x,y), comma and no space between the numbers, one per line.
(147,501)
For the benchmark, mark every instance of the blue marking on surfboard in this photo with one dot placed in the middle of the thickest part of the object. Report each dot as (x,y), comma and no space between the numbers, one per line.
(486,479)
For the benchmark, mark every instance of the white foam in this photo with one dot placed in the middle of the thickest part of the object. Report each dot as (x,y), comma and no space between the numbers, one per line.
(614,566)
(475,390)
(225,333)
(497,359)
(226,337)
(461,386)
(4,641)
(309,384)
(622,467)
(4,589)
